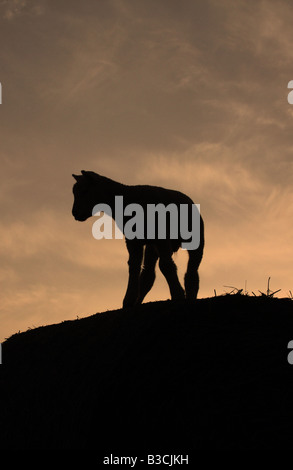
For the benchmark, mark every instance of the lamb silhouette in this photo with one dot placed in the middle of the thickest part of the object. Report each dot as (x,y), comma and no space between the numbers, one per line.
(91,189)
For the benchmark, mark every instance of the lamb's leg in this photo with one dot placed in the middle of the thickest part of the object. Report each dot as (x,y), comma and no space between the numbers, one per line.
(147,275)
(191,278)
(134,264)
(169,270)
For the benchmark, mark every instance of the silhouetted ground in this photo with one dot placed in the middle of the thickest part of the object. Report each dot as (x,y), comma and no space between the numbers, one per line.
(173,376)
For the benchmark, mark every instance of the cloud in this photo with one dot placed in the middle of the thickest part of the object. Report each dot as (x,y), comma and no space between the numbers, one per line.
(15,8)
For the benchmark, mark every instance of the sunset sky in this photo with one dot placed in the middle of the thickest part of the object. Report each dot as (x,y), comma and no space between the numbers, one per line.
(185,94)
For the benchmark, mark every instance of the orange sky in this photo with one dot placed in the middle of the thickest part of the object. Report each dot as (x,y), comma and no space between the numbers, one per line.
(190,95)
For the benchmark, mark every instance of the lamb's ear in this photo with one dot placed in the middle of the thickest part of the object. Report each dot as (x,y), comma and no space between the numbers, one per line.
(87,174)
(76,177)
(90,175)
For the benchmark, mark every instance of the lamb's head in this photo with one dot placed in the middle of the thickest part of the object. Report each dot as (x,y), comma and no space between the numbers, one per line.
(85,195)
